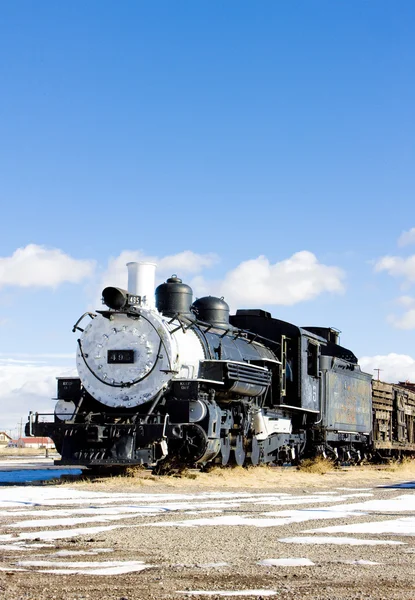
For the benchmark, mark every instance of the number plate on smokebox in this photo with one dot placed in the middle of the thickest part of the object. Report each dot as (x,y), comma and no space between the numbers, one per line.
(120,356)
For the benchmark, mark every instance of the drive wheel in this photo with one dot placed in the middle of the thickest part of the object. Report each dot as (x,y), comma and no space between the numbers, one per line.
(225,450)
(239,451)
(255,452)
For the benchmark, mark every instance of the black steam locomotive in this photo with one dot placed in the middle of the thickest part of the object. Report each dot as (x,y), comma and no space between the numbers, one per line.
(164,378)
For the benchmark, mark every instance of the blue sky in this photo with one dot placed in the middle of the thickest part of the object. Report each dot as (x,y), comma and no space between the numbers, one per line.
(227,130)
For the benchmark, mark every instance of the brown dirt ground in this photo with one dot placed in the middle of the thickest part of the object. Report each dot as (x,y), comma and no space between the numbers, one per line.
(330,579)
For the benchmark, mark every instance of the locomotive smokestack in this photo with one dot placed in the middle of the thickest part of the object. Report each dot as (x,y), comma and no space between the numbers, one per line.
(141,281)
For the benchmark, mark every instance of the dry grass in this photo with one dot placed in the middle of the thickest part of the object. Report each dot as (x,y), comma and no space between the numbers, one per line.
(252,478)
(235,477)
(316,465)
(404,466)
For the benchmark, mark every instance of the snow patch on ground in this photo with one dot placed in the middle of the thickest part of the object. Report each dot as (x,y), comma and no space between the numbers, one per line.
(337,540)
(399,504)
(228,593)
(360,562)
(402,527)
(12,548)
(286,562)
(82,552)
(56,513)
(70,521)
(115,567)
(284,517)
(57,534)
(213,565)
(228,520)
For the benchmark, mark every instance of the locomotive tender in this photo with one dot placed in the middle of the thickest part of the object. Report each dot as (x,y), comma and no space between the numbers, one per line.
(162,377)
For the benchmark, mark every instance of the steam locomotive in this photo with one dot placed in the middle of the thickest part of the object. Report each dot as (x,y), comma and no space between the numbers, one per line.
(164,378)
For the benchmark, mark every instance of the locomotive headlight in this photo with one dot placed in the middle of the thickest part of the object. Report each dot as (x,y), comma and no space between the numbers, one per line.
(115,298)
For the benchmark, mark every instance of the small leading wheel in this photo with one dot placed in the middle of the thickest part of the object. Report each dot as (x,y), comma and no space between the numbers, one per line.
(194,443)
(239,450)
(225,450)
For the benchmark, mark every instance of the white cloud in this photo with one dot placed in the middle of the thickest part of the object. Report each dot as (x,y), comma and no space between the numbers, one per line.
(37,266)
(397,266)
(406,301)
(403,268)
(407,237)
(26,357)
(26,386)
(257,281)
(186,262)
(405,321)
(394,367)
(203,287)
(296,279)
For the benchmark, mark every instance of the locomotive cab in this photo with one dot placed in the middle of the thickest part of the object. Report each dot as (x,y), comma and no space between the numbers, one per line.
(322,382)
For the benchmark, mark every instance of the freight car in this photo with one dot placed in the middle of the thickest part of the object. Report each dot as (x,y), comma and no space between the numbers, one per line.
(393,418)
(163,378)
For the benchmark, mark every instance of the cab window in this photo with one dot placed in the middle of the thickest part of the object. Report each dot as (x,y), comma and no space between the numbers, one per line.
(312,359)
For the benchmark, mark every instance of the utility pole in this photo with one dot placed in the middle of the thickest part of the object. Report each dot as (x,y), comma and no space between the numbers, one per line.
(378,370)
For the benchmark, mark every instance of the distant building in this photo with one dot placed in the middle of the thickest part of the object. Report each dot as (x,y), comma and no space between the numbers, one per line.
(4,438)
(34,442)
